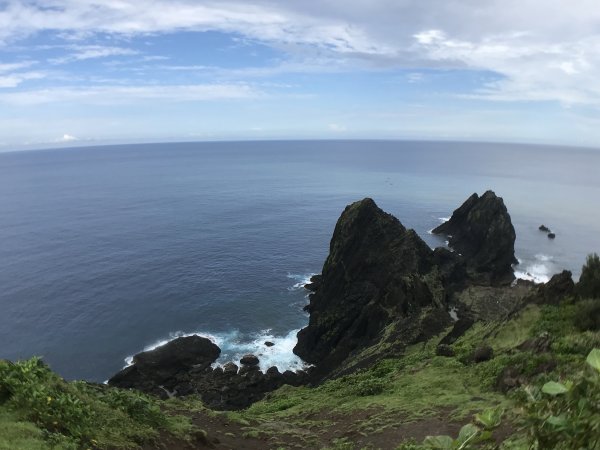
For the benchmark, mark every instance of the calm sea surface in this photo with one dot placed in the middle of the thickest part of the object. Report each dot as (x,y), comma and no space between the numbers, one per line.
(106,251)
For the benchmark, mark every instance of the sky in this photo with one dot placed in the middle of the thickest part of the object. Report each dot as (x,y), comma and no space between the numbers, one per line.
(78,72)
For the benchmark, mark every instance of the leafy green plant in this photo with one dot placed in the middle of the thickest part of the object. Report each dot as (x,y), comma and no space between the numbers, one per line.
(566,415)
(79,414)
(490,418)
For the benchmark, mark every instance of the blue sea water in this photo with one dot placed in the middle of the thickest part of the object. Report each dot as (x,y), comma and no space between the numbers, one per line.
(106,251)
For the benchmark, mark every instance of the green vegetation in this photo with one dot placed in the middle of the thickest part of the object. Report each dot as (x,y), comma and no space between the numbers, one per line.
(589,281)
(545,351)
(41,410)
(421,386)
(559,416)
(566,415)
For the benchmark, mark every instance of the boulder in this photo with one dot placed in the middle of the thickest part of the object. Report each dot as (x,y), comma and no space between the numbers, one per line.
(230,368)
(249,360)
(444,350)
(269,344)
(374,274)
(164,363)
(482,353)
(544,228)
(551,235)
(482,232)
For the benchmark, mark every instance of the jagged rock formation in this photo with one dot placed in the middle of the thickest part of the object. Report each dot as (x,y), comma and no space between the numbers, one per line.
(377,272)
(482,232)
(183,367)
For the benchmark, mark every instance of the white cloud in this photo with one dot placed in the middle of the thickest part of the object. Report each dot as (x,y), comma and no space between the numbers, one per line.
(67,138)
(544,49)
(84,52)
(115,95)
(15,79)
(337,128)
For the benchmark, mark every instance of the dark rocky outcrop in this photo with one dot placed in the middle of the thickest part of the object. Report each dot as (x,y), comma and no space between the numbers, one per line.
(159,366)
(315,282)
(482,232)
(551,235)
(544,228)
(444,350)
(482,353)
(249,360)
(375,274)
(183,367)
(560,286)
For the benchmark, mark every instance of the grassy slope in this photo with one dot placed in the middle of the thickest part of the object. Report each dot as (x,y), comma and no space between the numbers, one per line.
(399,398)
(421,386)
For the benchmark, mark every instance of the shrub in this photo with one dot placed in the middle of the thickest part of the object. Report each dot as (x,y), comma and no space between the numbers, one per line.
(566,415)
(587,317)
(80,413)
(589,281)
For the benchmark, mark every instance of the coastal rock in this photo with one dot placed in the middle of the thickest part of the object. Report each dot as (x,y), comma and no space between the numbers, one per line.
(560,286)
(159,366)
(249,360)
(182,367)
(230,368)
(551,235)
(315,283)
(482,232)
(374,275)
(544,228)
(269,344)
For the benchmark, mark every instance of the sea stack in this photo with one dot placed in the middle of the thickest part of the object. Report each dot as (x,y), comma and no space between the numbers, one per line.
(482,232)
(374,275)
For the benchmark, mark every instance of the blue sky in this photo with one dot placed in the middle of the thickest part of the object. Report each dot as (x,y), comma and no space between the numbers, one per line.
(78,72)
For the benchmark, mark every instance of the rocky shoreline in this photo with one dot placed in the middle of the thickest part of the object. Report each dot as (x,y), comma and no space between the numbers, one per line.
(381,289)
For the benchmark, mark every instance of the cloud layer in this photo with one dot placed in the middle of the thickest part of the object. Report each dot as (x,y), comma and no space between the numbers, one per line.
(509,52)
(545,49)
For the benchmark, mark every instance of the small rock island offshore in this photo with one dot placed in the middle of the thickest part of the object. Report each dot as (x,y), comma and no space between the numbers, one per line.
(407,348)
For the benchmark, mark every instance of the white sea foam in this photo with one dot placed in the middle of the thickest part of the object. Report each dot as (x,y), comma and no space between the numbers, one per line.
(539,270)
(235,344)
(279,355)
(443,219)
(301,280)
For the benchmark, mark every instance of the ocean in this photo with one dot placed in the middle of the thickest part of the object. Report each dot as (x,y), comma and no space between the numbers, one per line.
(107,251)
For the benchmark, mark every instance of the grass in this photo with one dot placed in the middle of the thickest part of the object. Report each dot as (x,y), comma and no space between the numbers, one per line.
(18,434)
(78,414)
(421,385)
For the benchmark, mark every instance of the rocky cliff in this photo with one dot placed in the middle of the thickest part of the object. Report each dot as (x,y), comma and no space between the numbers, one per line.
(377,272)
(382,288)
(482,232)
